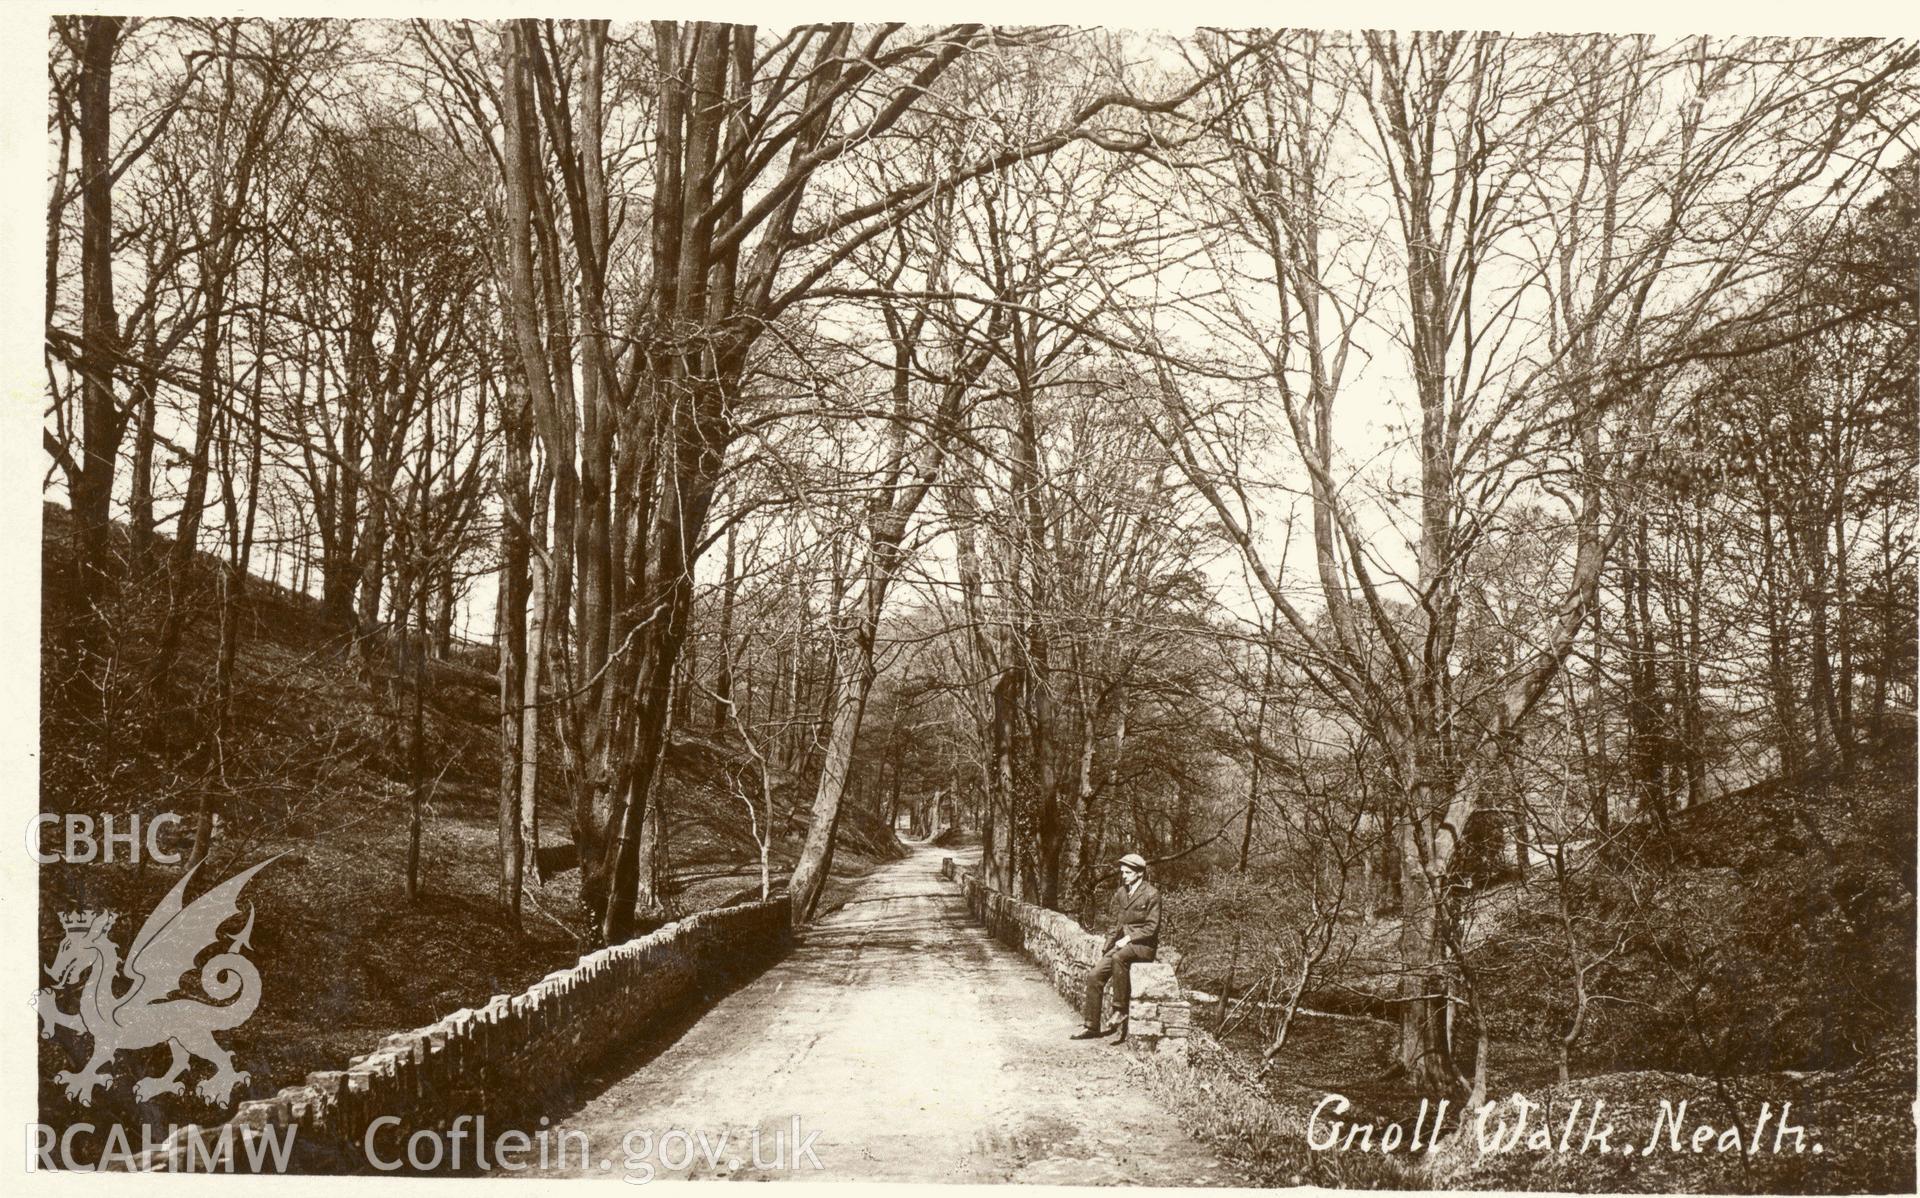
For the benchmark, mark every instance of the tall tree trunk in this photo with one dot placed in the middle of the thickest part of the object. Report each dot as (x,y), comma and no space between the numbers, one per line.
(1595,708)
(1843,634)
(674,536)
(140,518)
(510,629)
(1692,751)
(233,575)
(1780,679)
(443,604)
(538,604)
(1087,855)
(723,683)
(1646,707)
(1037,697)
(90,486)
(1425,1051)
(850,702)
(1257,756)
(416,643)
(508,661)
(1825,705)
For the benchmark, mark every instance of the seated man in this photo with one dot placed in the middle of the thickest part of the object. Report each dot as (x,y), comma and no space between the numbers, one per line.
(1136,933)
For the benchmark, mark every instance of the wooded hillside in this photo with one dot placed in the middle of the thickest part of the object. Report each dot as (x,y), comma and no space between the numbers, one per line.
(1446,500)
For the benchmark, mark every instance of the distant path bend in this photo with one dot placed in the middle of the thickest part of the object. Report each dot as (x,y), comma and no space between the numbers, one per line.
(917,1047)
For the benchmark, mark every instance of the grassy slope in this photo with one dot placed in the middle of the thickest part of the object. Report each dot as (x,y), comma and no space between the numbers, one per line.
(1774,960)
(345,958)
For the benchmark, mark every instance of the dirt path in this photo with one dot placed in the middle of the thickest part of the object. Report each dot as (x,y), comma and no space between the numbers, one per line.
(917,1048)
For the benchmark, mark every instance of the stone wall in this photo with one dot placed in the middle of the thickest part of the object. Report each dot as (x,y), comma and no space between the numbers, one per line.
(1159,1016)
(508,1059)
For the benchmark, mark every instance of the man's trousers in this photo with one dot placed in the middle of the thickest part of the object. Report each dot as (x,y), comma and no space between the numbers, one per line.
(1117,965)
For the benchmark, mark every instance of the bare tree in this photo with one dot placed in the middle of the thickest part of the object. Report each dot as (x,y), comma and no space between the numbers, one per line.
(1643,246)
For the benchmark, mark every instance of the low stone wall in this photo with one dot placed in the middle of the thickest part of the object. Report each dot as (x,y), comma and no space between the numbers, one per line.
(504,1061)
(1159,1016)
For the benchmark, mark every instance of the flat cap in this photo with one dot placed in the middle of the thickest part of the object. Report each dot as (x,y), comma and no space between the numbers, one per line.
(1136,860)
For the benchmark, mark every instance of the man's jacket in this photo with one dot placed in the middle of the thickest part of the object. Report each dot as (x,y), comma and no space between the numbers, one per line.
(1137,914)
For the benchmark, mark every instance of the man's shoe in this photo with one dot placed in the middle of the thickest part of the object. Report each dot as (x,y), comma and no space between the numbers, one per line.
(1122,1037)
(1087,1033)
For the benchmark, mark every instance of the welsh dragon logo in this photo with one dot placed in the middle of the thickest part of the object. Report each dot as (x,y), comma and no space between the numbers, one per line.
(150,1010)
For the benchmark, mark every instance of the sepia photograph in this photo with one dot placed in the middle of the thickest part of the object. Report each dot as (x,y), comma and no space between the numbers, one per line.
(1290,600)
